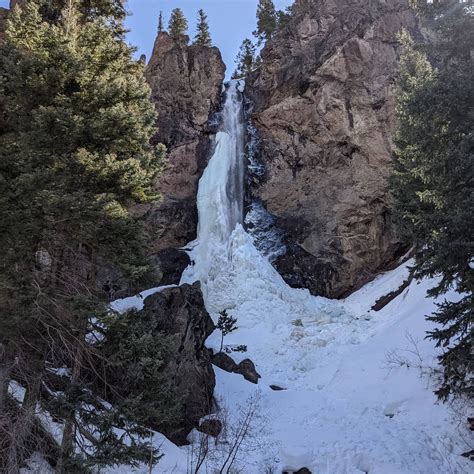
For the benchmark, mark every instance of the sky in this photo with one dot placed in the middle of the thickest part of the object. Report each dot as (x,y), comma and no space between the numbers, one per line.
(230,21)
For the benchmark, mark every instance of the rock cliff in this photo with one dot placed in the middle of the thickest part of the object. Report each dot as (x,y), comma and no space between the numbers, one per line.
(181,315)
(186,82)
(323,106)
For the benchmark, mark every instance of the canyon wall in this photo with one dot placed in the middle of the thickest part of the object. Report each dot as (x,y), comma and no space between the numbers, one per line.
(186,82)
(324,109)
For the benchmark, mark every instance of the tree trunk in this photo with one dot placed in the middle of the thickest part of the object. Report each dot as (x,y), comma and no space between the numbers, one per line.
(22,429)
(4,378)
(67,442)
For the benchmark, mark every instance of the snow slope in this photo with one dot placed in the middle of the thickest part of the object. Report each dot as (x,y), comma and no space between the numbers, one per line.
(351,404)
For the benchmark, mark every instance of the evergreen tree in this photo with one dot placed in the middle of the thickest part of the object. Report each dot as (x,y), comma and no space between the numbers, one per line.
(283,18)
(433,182)
(245,60)
(266,20)
(76,123)
(178,25)
(203,36)
(160,23)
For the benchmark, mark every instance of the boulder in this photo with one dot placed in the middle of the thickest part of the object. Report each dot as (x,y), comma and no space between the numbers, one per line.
(183,317)
(224,362)
(247,369)
(211,427)
(324,110)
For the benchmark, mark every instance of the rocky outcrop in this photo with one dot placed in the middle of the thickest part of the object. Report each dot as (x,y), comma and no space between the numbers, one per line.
(246,367)
(186,82)
(324,110)
(182,316)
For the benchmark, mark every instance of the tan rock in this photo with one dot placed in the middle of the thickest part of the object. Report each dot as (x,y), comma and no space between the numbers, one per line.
(324,109)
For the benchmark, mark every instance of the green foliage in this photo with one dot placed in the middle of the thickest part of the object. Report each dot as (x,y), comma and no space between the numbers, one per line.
(433,183)
(178,25)
(283,18)
(266,20)
(136,351)
(245,61)
(203,36)
(76,122)
(226,324)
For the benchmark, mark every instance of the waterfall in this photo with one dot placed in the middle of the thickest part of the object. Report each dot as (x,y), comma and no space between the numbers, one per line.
(234,274)
(221,189)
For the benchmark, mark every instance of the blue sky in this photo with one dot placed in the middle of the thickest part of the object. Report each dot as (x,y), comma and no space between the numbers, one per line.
(230,21)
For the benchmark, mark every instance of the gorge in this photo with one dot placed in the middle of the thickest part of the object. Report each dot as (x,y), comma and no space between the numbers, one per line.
(284,315)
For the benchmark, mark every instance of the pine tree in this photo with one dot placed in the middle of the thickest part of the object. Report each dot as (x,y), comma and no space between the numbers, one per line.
(74,154)
(433,183)
(226,324)
(160,23)
(245,60)
(283,18)
(178,25)
(266,20)
(203,36)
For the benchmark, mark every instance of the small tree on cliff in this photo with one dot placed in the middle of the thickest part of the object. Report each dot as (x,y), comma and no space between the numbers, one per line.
(283,18)
(160,23)
(178,25)
(266,20)
(226,324)
(245,60)
(203,37)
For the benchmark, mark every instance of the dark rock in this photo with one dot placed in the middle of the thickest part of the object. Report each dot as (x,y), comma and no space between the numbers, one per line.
(224,362)
(277,388)
(470,422)
(324,109)
(469,455)
(386,299)
(170,264)
(184,319)
(247,369)
(211,427)
(303,470)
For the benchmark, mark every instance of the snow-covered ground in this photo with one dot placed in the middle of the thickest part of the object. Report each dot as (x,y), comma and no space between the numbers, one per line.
(358,383)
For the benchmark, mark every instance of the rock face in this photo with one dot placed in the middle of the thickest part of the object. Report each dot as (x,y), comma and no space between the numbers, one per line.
(186,84)
(324,110)
(183,317)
